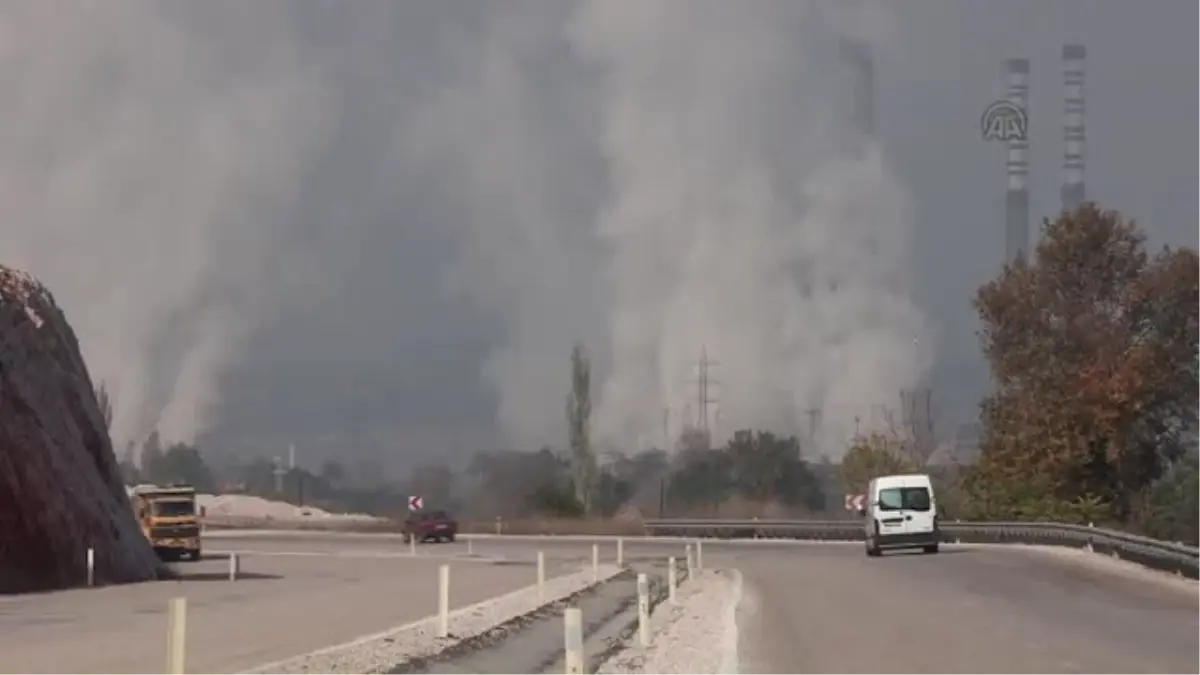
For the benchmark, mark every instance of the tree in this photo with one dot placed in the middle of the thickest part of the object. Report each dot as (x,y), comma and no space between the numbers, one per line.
(180,463)
(873,456)
(1092,347)
(104,402)
(579,412)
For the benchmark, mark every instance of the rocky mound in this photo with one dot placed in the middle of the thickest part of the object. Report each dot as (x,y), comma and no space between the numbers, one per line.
(60,490)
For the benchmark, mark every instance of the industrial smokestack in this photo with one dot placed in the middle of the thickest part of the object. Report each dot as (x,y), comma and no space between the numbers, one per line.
(1016,202)
(1074,131)
(857,55)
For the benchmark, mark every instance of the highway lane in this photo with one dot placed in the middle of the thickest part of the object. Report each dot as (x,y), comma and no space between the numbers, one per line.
(286,605)
(967,609)
(826,607)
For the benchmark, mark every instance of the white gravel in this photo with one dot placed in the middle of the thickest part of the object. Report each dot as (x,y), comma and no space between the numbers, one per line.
(698,635)
(381,651)
(249,506)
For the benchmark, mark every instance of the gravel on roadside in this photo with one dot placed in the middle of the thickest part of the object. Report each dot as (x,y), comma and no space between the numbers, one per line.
(696,635)
(380,652)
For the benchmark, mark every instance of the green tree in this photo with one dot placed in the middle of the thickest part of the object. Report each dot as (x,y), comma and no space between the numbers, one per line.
(871,456)
(104,402)
(1092,346)
(579,412)
(181,463)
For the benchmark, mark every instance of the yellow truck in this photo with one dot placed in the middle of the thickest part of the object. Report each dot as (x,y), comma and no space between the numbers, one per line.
(168,518)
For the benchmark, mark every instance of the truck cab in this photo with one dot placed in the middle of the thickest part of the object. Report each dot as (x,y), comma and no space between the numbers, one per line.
(168,519)
(901,513)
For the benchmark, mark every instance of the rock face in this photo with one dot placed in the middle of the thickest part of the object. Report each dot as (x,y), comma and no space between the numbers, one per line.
(60,488)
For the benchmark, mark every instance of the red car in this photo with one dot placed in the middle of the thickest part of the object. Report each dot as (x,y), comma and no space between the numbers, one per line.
(430,526)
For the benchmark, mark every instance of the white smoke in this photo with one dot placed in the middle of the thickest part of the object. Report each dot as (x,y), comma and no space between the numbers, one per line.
(144,175)
(745,217)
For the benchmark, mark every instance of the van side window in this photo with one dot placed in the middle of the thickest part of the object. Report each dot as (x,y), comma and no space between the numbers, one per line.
(912,499)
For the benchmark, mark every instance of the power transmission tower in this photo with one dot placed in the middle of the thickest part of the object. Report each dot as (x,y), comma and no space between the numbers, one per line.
(702,389)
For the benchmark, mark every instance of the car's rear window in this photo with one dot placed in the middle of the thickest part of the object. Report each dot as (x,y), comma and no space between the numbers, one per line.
(907,498)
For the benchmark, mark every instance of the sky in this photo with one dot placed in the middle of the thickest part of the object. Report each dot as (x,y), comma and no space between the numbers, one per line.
(377,231)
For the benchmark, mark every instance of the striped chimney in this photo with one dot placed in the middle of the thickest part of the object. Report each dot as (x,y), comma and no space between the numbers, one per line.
(1016,201)
(1074,130)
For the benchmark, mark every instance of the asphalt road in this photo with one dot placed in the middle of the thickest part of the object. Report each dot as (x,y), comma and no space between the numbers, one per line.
(826,607)
(807,607)
(830,609)
(295,600)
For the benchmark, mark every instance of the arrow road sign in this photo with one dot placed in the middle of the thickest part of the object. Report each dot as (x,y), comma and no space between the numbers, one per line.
(855,502)
(415,503)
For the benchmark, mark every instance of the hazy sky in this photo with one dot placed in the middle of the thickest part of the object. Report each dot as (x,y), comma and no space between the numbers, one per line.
(375,228)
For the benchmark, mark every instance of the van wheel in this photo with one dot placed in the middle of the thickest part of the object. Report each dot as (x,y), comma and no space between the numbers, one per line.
(872,550)
(932,548)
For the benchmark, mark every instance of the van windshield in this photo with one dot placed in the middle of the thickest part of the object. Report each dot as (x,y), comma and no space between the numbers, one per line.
(908,498)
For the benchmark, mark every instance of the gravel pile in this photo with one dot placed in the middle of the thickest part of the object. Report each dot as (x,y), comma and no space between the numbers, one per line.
(698,635)
(380,652)
(249,506)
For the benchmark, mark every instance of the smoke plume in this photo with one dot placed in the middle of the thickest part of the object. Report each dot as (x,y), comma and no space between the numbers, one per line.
(145,174)
(745,216)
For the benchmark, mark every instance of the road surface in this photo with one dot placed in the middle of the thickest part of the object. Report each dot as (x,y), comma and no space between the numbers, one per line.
(826,607)
(806,607)
(966,609)
(284,606)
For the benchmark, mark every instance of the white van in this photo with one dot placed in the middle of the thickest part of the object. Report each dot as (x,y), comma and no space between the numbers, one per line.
(900,513)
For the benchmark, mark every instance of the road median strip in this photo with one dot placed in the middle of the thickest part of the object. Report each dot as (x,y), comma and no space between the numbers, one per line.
(381,652)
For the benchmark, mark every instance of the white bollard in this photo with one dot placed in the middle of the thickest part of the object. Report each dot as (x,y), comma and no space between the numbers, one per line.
(234,566)
(91,566)
(444,601)
(573,639)
(470,547)
(690,561)
(699,555)
(595,562)
(643,591)
(671,579)
(499,525)
(541,579)
(620,551)
(176,635)
(412,546)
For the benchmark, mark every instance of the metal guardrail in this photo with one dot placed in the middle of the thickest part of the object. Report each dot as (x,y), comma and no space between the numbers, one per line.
(1163,555)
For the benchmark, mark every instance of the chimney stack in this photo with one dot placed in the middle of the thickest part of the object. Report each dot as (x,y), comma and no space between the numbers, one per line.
(856,54)
(1074,131)
(1016,202)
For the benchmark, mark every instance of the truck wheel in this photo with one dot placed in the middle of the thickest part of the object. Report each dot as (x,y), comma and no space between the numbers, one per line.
(194,555)
(932,548)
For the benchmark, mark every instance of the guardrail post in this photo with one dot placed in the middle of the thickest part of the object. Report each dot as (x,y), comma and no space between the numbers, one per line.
(499,525)
(620,551)
(1088,545)
(690,563)
(643,591)
(699,554)
(573,639)
(234,566)
(176,635)
(672,582)
(541,576)
(412,545)
(470,547)
(444,601)
(91,566)
(595,562)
